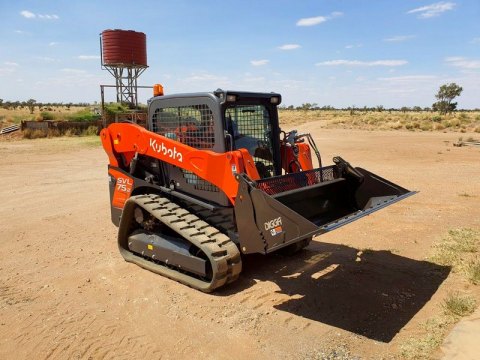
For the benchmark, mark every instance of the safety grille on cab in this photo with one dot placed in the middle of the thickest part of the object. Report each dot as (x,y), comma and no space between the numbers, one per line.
(191,125)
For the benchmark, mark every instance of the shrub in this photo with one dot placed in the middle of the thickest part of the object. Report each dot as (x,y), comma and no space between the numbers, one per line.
(451,250)
(437,118)
(451,123)
(457,305)
(90,131)
(34,134)
(462,240)
(53,133)
(396,126)
(47,115)
(83,115)
(426,126)
(455,122)
(115,108)
(473,272)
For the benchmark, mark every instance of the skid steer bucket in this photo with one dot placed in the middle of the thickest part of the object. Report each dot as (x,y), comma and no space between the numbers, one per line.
(278,211)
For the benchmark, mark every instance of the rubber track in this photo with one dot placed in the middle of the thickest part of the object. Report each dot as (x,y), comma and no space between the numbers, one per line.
(223,254)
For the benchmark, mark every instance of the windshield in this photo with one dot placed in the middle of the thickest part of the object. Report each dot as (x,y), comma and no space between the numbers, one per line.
(250,128)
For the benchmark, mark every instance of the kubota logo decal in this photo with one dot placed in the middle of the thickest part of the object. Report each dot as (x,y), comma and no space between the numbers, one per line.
(161,148)
(274,226)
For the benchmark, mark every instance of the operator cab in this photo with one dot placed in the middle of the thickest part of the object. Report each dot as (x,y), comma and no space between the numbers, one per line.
(222,121)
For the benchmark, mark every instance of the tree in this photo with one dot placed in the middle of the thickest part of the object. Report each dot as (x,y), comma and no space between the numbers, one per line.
(307,106)
(445,96)
(31,105)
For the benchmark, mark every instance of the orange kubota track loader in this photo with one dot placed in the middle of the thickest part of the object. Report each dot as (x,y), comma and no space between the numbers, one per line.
(213,176)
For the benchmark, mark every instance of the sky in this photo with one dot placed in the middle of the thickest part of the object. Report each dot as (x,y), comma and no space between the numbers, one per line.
(331,52)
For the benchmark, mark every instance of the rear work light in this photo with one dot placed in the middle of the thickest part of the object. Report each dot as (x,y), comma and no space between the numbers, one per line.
(274,100)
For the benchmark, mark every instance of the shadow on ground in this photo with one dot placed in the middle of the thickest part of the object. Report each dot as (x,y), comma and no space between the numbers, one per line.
(374,294)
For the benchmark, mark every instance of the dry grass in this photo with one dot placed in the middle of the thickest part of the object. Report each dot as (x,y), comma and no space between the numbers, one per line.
(458,306)
(412,121)
(466,195)
(460,250)
(39,134)
(454,306)
(473,272)
(420,347)
(75,113)
(54,113)
(17,115)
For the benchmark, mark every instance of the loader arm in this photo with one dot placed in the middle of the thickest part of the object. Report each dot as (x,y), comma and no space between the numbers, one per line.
(122,141)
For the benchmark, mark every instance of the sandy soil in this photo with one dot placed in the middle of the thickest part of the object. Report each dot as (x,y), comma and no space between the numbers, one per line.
(66,292)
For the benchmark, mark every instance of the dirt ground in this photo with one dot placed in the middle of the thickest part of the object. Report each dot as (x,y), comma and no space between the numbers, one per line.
(66,293)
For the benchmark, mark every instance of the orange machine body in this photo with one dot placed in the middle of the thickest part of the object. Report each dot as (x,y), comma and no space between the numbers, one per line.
(292,163)
(122,141)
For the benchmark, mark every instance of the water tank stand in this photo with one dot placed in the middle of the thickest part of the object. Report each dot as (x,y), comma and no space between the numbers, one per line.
(126,83)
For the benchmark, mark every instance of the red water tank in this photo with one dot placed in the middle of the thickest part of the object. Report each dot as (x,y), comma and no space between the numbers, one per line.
(124,48)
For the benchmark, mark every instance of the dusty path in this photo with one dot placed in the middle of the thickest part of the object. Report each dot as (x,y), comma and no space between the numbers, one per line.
(66,293)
